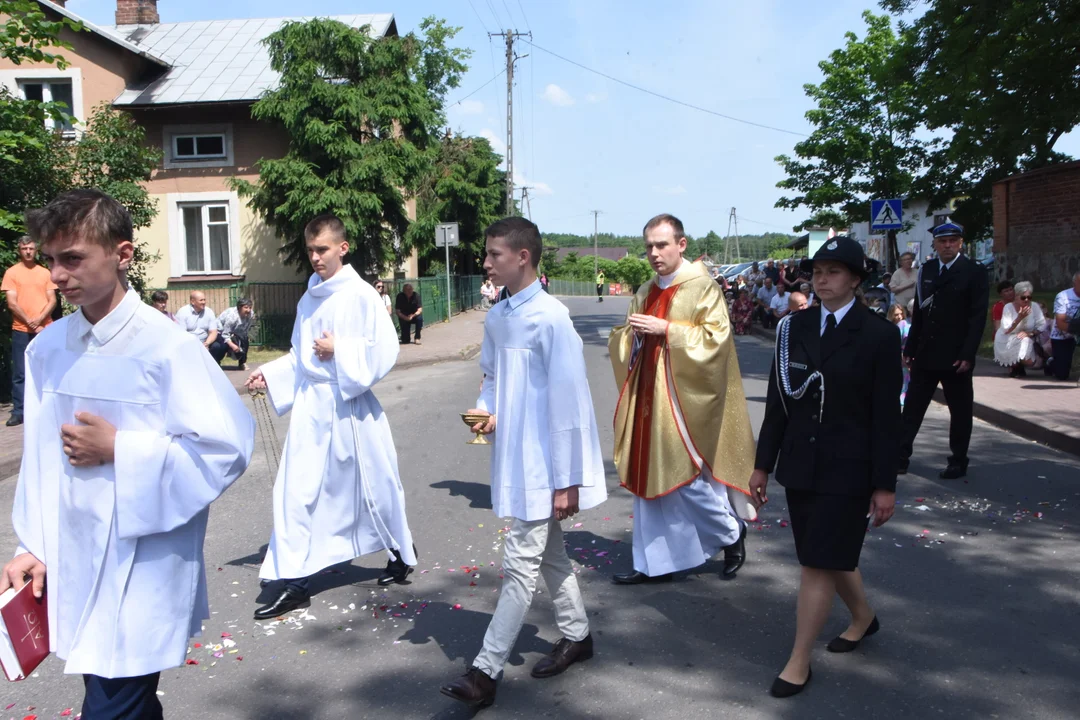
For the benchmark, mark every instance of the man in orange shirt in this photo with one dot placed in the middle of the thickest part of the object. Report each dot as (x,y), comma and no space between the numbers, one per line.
(31,298)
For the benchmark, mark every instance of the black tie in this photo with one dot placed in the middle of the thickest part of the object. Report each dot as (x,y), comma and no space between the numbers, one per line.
(829,336)
(944,271)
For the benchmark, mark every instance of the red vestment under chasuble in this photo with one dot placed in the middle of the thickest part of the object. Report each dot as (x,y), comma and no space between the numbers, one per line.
(682,411)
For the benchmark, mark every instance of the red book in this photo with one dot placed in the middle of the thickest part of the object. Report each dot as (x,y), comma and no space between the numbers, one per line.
(24,632)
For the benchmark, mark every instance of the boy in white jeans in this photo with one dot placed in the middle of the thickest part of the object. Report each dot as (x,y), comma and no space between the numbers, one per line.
(547,462)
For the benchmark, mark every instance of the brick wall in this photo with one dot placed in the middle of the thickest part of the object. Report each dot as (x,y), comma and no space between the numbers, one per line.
(1037,225)
(137,12)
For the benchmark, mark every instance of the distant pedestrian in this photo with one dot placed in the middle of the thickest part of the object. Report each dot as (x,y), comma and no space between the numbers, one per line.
(198,319)
(772,272)
(410,312)
(160,301)
(380,286)
(902,285)
(544,282)
(1062,340)
(1006,294)
(600,286)
(946,329)
(31,298)
(235,329)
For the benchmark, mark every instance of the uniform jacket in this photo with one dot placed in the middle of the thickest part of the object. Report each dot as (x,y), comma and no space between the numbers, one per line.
(852,445)
(950,326)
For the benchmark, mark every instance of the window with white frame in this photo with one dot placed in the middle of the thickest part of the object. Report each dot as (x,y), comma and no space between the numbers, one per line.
(205,229)
(53,90)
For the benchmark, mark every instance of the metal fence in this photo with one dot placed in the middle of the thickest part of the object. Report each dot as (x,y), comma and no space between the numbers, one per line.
(275,303)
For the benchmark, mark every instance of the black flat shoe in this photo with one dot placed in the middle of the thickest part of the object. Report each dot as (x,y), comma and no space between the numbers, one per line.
(638,578)
(843,645)
(14,420)
(474,688)
(735,555)
(784,689)
(954,471)
(396,570)
(287,601)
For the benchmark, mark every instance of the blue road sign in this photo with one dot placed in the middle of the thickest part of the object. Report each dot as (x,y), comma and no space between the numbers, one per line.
(886,214)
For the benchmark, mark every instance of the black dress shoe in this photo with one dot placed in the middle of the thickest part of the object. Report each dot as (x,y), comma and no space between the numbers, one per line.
(735,555)
(902,466)
(14,420)
(474,688)
(784,689)
(954,471)
(637,578)
(396,570)
(842,645)
(564,654)
(287,601)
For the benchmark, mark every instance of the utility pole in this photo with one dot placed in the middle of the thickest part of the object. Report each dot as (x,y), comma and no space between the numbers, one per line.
(596,241)
(733,219)
(525,203)
(509,35)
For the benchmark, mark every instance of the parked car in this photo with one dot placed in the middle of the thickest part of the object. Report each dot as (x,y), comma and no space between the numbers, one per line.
(736,270)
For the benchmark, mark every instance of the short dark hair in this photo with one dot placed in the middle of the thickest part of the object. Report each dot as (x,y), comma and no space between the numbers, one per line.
(244,302)
(665,219)
(90,213)
(1004,285)
(159,296)
(27,240)
(520,234)
(327,222)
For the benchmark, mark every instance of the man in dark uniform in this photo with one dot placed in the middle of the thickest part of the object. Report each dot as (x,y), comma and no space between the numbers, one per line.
(831,431)
(951,299)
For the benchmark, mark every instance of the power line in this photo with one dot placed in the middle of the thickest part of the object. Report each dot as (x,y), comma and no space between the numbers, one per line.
(522,7)
(665,97)
(508,13)
(482,23)
(498,19)
(495,77)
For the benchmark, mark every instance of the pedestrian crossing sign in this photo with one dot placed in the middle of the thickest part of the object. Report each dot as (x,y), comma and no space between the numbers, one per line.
(886,214)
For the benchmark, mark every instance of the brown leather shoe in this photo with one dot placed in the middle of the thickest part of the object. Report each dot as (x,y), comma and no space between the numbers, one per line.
(475,688)
(564,654)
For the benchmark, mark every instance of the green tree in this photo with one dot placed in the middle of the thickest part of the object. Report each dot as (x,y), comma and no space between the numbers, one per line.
(864,144)
(464,186)
(1001,82)
(363,117)
(633,271)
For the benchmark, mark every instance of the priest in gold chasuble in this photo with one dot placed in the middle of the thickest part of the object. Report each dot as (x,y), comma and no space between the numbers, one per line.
(683,441)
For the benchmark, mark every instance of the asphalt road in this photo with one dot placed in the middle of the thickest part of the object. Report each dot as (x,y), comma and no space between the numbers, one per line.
(975,584)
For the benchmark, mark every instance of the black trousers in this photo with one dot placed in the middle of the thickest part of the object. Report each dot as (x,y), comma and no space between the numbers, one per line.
(418,321)
(959,395)
(218,349)
(1060,368)
(132,698)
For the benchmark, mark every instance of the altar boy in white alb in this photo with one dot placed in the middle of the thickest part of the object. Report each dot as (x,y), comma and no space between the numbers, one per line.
(131,432)
(546,463)
(337,495)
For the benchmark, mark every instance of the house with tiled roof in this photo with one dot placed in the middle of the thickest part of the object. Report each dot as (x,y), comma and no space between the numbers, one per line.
(191,85)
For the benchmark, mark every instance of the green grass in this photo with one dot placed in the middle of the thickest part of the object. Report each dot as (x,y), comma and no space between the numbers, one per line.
(259,356)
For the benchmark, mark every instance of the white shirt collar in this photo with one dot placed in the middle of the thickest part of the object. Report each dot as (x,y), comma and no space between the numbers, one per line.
(106,328)
(948,265)
(839,314)
(664,281)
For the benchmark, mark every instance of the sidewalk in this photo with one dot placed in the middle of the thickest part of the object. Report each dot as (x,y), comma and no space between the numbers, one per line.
(457,340)
(1037,408)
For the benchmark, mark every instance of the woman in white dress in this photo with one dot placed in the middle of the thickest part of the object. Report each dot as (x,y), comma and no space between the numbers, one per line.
(1021,322)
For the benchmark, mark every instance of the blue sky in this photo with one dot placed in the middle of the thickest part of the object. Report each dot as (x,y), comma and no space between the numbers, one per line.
(583,142)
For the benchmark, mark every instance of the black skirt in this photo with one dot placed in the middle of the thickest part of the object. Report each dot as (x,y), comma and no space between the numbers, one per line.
(829,529)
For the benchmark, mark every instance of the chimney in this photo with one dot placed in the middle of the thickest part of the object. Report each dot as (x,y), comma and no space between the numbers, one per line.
(137,12)
(61,3)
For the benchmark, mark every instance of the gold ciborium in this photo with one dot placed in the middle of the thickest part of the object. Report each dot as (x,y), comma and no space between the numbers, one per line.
(472,419)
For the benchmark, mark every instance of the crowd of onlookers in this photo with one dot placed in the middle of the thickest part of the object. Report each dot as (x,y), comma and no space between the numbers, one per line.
(1026,335)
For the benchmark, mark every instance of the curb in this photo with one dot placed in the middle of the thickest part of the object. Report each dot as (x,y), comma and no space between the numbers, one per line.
(466,353)
(1010,423)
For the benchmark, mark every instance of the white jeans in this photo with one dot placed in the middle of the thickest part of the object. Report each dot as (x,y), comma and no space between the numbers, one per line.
(532,548)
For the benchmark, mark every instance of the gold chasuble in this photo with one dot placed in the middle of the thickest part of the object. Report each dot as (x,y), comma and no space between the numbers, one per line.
(682,411)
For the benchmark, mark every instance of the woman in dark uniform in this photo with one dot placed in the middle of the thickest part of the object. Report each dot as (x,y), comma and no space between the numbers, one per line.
(832,432)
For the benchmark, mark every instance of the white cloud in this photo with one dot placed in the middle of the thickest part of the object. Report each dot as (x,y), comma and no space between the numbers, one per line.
(557,96)
(536,188)
(497,143)
(676,190)
(470,107)
(596,97)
